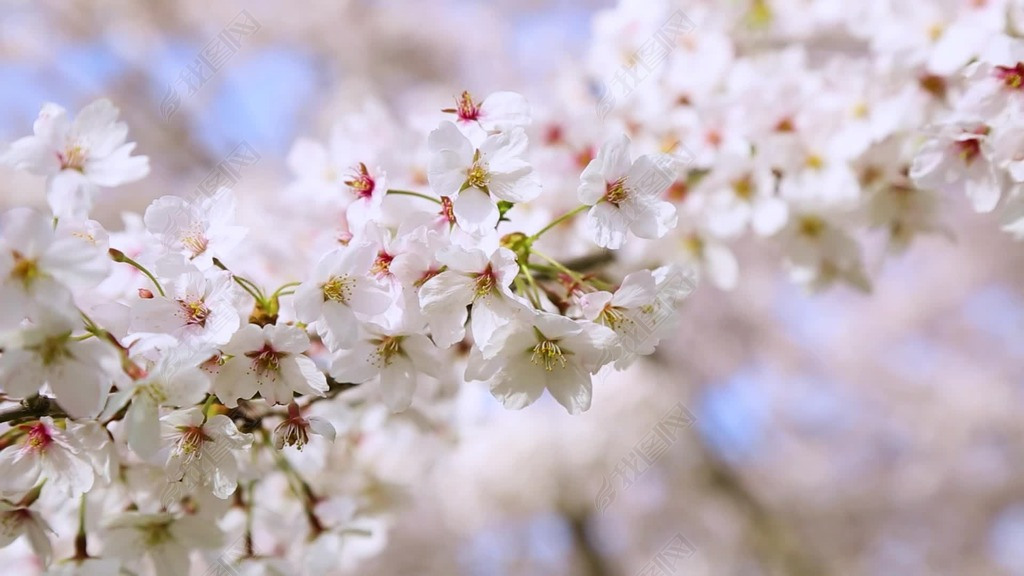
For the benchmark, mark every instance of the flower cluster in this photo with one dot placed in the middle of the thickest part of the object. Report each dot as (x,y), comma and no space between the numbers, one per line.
(801,122)
(975,148)
(158,380)
(227,360)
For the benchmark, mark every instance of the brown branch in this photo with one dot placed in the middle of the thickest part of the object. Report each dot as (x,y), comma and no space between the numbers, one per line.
(593,563)
(33,408)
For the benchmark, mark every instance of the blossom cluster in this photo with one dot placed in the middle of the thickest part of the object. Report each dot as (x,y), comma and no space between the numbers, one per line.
(803,124)
(182,378)
(975,148)
(159,383)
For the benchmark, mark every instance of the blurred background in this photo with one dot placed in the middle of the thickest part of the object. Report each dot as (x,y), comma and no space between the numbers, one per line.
(833,434)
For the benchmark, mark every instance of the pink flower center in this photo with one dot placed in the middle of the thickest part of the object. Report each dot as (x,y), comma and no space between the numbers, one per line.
(39,438)
(266,360)
(382,265)
(554,135)
(485,282)
(72,159)
(467,110)
(361,183)
(294,431)
(970,148)
(191,442)
(196,312)
(1012,77)
(616,192)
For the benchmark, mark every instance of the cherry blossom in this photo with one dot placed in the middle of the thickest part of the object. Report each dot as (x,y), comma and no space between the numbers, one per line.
(80,372)
(194,231)
(342,289)
(267,361)
(202,450)
(396,357)
(625,195)
(50,453)
(295,429)
(40,266)
(471,279)
(201,309)
(16,521)
(77,156)
(163,538)
(173,381)
(160,372)
(541,351)
(479,175)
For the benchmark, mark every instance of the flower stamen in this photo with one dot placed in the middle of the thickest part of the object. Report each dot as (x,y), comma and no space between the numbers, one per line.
(196,312)
(616,192)
(38,438)
(266,360)
(24,269)
(465,108)
(73,158)
(549,355)
(387,348)
(361,183)
(338,288)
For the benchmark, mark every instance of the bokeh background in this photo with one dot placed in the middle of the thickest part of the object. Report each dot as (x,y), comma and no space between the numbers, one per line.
(839,433)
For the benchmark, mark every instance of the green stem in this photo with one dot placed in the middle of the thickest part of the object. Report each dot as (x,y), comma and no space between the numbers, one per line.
(558,265)
(250,287)
(118,256)
(90,326)
(522,289)
(246,284)
(81,539)
(283,290)
(32,495)
(534,290)
(414,195)
(597,283)
(559,220)
(207,405)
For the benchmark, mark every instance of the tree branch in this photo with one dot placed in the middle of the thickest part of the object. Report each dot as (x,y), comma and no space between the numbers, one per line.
(593,563)
(33,408)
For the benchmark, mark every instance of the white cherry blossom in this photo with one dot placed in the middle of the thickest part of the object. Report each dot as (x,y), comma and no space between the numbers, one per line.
(165,539)
(396,357)
(541,351)
(625,195)
(49,453)
(268,361)
(202,450)
(479,176)
(194,231)
(77,156)
(471,279)
(41,267)
(959,157)
(80,372)
(17,521)
(340,292)
(173,381)
(201,309)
